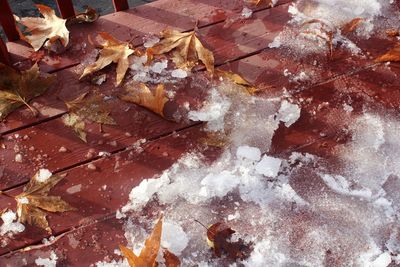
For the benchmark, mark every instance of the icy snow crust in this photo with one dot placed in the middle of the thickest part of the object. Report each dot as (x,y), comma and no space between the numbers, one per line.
(347,217)
(296,208)
(302,38)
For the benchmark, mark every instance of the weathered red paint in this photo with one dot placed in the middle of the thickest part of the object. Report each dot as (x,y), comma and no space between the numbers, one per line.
(120,5)
(66,8)
(4,55)
(7,21)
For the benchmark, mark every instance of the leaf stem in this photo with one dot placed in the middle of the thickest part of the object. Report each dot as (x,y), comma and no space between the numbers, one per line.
(200,223)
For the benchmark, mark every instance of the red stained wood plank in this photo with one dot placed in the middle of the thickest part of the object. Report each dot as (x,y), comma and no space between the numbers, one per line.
(4,55)
(132,25)
(101,192)
(120,5)
(7,21)
(66,8)
(216,37)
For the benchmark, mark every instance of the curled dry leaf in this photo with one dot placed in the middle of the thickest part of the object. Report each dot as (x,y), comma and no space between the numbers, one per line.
(112,50)
(34,201)
(219,239)
(352,25)
(392,33)
(148,255)
(237,79)
(187,48)
(84,108)
(49,29)
(142,96)
(19,88)
(88,16)
(392,55)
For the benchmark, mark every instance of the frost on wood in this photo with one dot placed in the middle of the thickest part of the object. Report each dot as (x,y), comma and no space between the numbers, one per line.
(263,198)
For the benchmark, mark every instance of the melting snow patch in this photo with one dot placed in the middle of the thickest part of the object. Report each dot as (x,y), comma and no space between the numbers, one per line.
(288,113)
(43,175)
(10,226)
(48,262)
(269,166)
(247,152)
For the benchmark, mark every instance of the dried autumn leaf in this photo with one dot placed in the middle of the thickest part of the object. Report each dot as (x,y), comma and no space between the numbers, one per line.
(86,108)
(19,88)
(143,96)
(148,255)
(49,29)
(112,50)
(34,202)
(257,2)
(88,16)
(352,25)
(392,55)
(187,47)
(392,33)
(75,122)
(237,79)
(171,260)
(219,239)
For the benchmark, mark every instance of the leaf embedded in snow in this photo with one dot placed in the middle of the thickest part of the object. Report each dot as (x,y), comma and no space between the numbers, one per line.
(86,108)
(49,29)
(34,201)
(237,79)
(142,95)
(171,260)
(187,47)
(325,33)
(18,88)
(112,50)
(392,55)
(219,239)
(149,252)
(352,25)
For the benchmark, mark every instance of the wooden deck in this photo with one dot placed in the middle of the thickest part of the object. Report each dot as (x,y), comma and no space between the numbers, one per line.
(241,48)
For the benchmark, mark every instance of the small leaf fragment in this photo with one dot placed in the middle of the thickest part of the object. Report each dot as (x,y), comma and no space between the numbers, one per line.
(34,201)
(352,25)
(219,239)
(76,123)
(269,3)
(19,88)
(237,79)
(48,29)
(392,55)
(112,50)
(171,260)
(187,48)
(142,96)
(149,253)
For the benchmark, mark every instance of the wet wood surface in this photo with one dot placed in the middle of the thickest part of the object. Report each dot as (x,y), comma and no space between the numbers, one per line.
(143,144)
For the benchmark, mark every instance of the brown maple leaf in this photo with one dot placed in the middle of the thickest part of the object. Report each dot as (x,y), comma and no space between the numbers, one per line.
(48,29)
(142,96)
(187,48)
(148,255)
(112,50)
(19,88)
(86,108)
(219,239)
(88,16)
(392,55)
(34,202)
